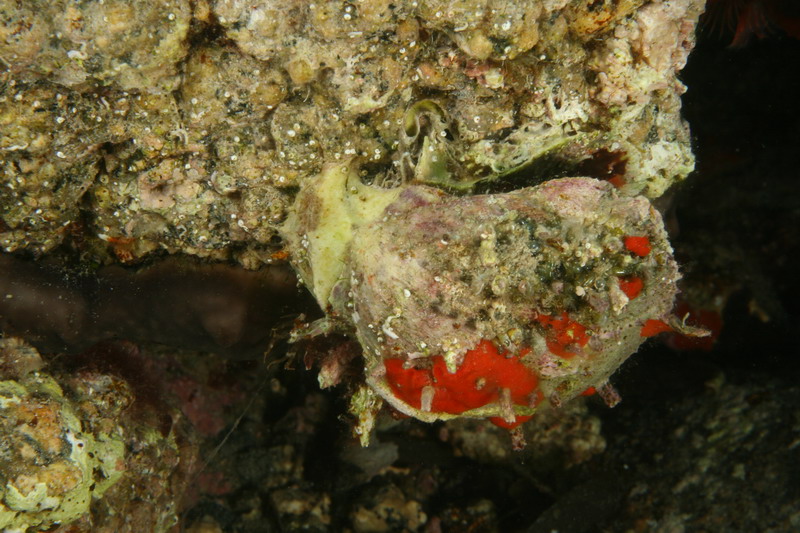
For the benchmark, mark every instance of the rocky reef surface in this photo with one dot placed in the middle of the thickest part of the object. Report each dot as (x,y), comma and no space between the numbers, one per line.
(188,127)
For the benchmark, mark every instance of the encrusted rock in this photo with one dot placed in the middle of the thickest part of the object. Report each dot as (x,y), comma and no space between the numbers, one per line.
(131,44)
(74,451)
(484,305)
(454,94)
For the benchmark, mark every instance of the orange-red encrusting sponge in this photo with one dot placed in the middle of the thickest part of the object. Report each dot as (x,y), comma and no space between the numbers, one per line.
(563,336)
(638,245)
(483,378)
(631,286)
(653,327)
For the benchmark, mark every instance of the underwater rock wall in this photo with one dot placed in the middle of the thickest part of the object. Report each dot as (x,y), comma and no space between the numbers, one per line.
(148,128)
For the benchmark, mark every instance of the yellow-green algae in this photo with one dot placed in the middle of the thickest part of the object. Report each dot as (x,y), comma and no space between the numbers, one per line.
(63,467)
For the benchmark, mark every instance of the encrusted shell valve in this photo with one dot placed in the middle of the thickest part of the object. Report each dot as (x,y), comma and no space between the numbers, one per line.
(486,305)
